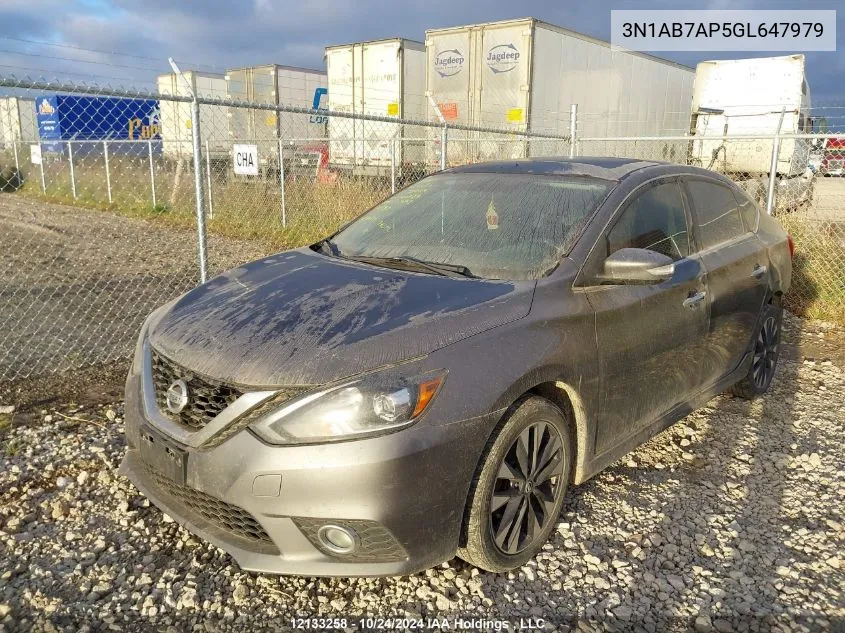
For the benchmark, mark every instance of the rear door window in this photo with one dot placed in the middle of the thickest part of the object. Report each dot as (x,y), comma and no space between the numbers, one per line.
(717,213)
(654,220)
(747,209)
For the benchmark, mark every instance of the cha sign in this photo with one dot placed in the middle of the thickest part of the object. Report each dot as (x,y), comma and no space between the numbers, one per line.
(245,159)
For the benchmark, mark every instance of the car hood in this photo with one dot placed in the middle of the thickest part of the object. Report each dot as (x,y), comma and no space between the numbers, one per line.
(301,318)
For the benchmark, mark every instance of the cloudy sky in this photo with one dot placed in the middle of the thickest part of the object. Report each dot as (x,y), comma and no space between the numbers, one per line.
(127,42)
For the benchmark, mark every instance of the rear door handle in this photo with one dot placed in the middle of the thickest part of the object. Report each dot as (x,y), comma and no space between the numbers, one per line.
(759,271)
(694,300)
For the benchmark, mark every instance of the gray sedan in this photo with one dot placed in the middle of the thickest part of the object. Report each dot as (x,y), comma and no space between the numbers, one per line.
(429,381)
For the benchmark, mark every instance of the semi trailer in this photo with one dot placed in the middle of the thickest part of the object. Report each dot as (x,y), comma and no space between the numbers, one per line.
(384,78)
(525,74)
(176,126)
(756,97)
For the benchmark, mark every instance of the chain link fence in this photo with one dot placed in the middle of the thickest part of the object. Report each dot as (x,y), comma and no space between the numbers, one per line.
(806,195)
(119,202)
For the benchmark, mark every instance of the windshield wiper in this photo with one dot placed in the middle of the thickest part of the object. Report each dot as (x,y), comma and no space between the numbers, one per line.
(329,247)
(446,270)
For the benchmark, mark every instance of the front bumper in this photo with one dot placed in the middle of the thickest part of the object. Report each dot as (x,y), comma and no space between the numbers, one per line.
(403,494)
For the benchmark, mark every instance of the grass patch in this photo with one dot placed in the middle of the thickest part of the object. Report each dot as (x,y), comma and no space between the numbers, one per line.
(241,208)
(251,209)
(12,447)
(818,268)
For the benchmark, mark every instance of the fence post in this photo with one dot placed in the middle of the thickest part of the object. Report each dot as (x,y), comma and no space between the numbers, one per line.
(773,168)
(282,183)
(444,139)
(152,172)
(108,175)
(72,174)
(393,166)
(197,147)
(208,176)
(573,124)
(41,164)
(15,150)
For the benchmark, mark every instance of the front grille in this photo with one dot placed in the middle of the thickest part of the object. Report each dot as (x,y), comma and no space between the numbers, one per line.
(206,398)
(376,542)
(222,515)
(238,425)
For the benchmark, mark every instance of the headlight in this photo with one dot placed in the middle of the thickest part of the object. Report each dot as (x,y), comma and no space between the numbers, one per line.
(369,406)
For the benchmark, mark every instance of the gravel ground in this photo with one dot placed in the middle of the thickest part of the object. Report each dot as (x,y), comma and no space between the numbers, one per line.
(731,520)
(77,284)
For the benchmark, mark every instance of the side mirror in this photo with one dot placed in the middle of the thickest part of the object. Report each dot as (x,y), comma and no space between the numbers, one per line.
(637,265)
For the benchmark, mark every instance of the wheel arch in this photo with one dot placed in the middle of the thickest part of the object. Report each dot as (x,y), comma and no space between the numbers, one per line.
(567,399)
(553,386)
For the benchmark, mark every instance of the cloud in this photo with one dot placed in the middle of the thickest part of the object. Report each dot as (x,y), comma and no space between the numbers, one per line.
(138,37)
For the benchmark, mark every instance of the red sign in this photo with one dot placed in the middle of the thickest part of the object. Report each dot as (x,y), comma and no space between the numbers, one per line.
(448,110)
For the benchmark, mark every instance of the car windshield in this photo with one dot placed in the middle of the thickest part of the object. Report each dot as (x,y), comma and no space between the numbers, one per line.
(493,225)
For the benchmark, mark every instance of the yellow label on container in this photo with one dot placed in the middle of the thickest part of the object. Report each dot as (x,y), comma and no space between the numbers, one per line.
(392,109)
(188,123)
(515,114)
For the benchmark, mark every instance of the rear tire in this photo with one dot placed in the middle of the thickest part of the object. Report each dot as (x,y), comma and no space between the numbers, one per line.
(518,491)
(765,355)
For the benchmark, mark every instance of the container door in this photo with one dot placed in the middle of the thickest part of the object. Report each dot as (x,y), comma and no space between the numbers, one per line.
(382,97)
(6,128)
(449,83)
(175,127)
(503,81)
(415,106)
(339,63)
(359,133)
(237,82)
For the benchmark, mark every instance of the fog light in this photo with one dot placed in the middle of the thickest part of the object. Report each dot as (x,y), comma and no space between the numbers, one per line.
(337,539)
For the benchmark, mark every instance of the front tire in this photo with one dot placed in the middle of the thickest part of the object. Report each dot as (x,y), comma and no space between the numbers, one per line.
(764,356)
(519,488)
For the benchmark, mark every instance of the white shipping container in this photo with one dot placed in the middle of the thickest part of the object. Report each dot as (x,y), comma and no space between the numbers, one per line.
(276,85)
(18,121)
(526,74)
(748,96)
(176,132)
(383,78)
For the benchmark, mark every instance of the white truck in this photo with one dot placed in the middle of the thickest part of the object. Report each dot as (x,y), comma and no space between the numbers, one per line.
(753,97)
(384,78)
(17,122)
(277,85)
(176,132)
(525,74)
(748,97)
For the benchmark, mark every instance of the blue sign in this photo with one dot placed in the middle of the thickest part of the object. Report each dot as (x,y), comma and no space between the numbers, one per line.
(321,95)
(70,117)
(49,128)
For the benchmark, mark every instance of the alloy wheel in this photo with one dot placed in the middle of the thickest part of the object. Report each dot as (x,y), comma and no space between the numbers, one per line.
(765,353)
(527,487)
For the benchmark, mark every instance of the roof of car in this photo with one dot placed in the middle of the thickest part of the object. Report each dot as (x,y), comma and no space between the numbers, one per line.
(595,166)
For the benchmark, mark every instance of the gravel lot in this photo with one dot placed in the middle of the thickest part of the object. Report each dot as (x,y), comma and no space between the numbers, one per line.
(77,284)
(730,520)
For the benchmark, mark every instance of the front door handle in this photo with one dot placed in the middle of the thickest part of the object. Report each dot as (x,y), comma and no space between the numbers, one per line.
(759,271)
(694,300)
